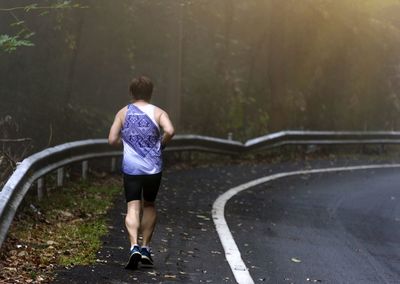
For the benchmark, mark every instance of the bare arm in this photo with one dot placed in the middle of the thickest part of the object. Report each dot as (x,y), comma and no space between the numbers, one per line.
(114,137)
(167,127)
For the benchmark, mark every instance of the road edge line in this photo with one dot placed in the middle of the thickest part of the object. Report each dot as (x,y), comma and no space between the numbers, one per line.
(232,253)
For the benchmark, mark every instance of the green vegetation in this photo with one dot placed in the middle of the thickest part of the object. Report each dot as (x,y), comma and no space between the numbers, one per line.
(90,235)
(62,230)
(10,43)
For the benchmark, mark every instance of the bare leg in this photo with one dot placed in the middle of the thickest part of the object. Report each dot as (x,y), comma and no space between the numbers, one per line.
(132,220)
(149,219)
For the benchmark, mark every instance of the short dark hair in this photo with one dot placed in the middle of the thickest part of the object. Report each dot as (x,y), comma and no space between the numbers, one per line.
(141,88)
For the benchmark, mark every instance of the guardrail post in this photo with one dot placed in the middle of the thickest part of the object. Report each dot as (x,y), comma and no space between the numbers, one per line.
(85,167)
(40,188)
(60,177)
(230,136)
(113,164)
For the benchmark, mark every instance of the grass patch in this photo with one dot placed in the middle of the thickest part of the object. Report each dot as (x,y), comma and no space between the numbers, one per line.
(89,235)
(64,229)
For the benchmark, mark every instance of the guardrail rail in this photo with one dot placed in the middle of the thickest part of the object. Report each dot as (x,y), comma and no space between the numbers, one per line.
(38,165)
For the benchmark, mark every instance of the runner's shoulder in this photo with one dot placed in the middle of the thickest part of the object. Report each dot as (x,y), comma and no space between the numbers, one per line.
(158,112)
(122,113)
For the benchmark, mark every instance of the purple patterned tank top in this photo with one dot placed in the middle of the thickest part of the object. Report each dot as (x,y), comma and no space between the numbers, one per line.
(142,142)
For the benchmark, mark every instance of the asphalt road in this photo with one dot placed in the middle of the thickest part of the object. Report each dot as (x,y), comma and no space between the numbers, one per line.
(321,228)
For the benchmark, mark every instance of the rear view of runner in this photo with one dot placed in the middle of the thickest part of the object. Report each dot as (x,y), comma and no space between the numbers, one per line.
(139,126)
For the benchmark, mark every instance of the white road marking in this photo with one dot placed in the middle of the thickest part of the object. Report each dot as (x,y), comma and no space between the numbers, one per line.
(232,253)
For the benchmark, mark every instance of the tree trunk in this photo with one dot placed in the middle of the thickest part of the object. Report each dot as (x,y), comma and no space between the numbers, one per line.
(276,69)
(174,104)
(71,70)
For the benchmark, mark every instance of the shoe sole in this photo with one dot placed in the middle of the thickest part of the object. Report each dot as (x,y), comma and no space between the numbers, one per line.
(133,261)
(146,262)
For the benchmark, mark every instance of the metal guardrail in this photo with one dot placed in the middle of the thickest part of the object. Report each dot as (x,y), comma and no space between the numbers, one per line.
(38,165)
(322,138)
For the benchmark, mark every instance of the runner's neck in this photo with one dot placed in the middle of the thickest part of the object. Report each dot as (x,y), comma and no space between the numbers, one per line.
(140,102)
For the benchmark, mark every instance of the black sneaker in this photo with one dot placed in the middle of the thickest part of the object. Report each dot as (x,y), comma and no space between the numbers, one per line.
(146,258)
(134,258)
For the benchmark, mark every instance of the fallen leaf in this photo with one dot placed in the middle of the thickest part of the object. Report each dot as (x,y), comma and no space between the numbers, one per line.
(314,280)
(203,217)
(296,260)
(22,253)
(65,213)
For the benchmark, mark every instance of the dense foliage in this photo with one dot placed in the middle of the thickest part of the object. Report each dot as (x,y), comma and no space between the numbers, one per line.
(247,67)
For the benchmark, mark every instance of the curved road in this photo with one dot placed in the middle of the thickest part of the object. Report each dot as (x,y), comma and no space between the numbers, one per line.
(321,228)
(341,227)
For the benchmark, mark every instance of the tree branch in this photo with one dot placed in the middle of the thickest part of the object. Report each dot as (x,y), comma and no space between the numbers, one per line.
(16,140)
(35,7)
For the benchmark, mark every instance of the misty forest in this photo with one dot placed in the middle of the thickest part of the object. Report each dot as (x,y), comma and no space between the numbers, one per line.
(230,69)
(219,66)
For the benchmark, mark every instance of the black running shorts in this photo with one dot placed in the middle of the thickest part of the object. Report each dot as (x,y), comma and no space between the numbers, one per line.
(136,185)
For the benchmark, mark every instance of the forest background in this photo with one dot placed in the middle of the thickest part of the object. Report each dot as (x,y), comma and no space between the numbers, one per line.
(246,67)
